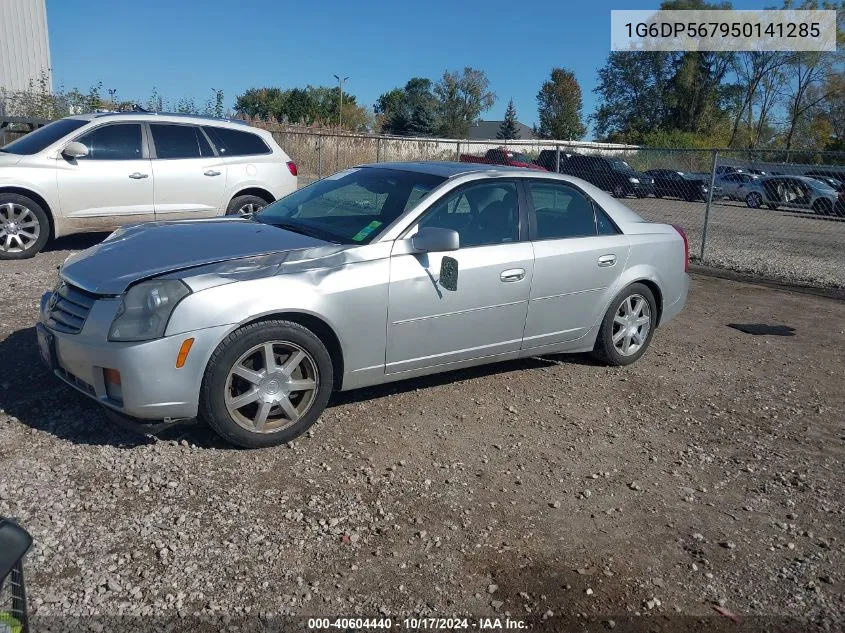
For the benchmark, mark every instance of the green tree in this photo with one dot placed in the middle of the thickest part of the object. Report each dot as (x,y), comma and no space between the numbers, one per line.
(559,106)
(462,96)
(408,111)
(508,129)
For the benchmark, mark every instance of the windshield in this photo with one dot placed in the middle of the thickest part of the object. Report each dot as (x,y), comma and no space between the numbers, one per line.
(620,165)
(520,158)
(43,137)
(352,206)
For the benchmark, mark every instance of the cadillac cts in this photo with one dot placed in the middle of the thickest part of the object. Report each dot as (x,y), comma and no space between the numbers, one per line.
(374,274)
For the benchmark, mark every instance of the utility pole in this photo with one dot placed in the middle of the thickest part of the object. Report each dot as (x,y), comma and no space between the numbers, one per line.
(340,83)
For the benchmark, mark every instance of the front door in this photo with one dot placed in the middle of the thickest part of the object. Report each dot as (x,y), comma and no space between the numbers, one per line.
(431,326)
(189,179)
(112,185)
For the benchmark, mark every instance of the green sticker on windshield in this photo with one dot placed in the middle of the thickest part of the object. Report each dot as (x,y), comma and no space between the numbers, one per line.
(372,226)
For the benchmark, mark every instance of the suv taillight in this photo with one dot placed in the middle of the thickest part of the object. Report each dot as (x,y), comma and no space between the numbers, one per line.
(292,167)
(686,246)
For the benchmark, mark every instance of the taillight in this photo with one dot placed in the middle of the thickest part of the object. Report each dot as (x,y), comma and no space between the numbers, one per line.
(686,246)
(292,167)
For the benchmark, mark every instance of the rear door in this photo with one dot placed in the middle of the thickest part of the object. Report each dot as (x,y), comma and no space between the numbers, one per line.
(190,179)
(579,255)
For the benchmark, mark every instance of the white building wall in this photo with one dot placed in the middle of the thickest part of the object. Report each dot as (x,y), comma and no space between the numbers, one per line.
(24,44)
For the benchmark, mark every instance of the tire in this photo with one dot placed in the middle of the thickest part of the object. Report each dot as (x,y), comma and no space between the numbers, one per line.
(245,205)
(619,191)
(246,347)
(610,353)
(754,200)
(24,227)
(823,207)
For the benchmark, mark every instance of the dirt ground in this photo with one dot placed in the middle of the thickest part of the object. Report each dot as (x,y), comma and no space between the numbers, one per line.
(707,476)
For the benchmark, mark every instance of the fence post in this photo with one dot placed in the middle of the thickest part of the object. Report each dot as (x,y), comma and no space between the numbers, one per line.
(709,202)
(319,157)
(378,149)
(557,158)
(458,154)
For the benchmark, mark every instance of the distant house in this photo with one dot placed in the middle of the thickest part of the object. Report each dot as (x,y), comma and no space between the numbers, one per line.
(484,130)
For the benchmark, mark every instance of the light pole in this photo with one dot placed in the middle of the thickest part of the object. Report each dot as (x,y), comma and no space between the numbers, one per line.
(340,83)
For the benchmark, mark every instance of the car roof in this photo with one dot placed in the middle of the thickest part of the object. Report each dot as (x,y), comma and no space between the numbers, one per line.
(174,117)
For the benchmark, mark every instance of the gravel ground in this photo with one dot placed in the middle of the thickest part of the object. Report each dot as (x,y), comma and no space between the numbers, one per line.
(708,475)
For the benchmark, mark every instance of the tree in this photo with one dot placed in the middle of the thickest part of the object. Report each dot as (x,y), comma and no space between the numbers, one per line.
(508,129)
(559,105)
(462,96)
(408,111)
(390,108)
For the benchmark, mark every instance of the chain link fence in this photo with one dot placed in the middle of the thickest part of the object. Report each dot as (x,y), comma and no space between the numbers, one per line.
(769,214)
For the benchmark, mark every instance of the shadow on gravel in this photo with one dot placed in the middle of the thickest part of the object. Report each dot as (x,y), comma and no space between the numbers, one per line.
(763,329)
(77,242)
(30,393)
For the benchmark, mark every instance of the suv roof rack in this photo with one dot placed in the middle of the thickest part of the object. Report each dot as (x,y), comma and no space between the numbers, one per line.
(173,114)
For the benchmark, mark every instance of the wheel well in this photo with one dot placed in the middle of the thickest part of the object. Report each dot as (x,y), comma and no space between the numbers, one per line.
(256,191)
(658,296)
(41,202)
(323,331)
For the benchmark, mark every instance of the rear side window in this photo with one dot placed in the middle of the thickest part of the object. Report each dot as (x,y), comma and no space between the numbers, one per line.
(561,211)
(113,142)
(236,142)
(179,141)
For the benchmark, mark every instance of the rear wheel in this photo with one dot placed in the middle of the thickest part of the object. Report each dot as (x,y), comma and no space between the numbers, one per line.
(823,207)
(773,207)
(245,205)
(619,191)
(266,383)
(627,327)
(24,227)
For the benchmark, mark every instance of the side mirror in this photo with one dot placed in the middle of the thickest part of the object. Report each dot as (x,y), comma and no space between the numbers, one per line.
(75,150)
(434,240)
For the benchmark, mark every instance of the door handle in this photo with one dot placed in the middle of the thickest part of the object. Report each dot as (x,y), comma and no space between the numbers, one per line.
(512,274)
(212,172)
(137,175)
(607,260)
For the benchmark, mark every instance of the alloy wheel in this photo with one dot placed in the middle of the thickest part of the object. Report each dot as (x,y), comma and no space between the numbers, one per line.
(271,386)
(249,208)
(753,200)
(631,325)
(19,228)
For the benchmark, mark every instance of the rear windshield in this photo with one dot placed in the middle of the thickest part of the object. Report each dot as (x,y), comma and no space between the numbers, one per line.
(43,137)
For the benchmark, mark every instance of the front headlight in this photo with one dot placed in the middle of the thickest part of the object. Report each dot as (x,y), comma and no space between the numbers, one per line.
(145,310)
(634,180)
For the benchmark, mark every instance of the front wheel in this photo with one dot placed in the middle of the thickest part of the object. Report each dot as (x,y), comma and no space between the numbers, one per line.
(619,191)
(245,205)
(266,384)
(627,327)
(754,200)
(24,227)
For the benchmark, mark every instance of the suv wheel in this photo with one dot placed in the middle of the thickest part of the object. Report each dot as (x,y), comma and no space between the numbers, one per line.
(823,207)
(266,383)
(754,200)
(245,205)
(627,327)
(24,227)
(619,191)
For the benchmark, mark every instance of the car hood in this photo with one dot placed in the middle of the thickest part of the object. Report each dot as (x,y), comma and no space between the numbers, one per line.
(9,159)
(148,250)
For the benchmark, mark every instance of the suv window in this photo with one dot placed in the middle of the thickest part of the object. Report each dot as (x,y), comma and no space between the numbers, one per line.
(117,141)
(179,141)
(482,214)
(561,211)
(235,142)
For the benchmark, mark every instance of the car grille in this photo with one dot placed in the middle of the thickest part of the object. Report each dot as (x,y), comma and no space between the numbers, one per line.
(68,308)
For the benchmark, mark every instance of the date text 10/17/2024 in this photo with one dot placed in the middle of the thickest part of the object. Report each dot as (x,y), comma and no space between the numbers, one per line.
(417,624)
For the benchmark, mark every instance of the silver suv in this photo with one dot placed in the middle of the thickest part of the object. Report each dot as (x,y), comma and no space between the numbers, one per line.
(96,172)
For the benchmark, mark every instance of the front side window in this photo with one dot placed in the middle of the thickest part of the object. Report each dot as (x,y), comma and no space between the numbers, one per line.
(41,138)
(350,207)
(236,142)
(561,211)
(121,141)
(482,214)
(179,141)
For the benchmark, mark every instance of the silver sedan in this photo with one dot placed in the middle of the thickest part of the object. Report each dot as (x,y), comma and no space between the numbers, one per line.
(378,273)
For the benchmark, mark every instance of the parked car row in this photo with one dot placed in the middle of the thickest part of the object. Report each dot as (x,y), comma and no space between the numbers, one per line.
(96,172)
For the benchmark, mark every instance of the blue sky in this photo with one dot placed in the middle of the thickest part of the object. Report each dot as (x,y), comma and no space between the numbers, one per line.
(185,48)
